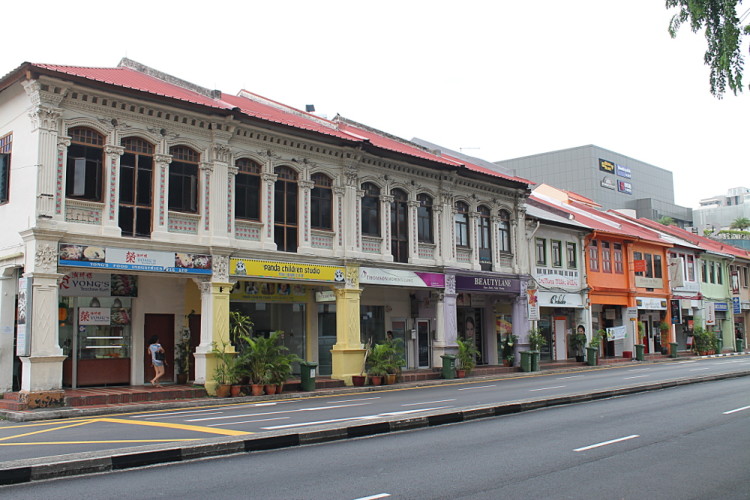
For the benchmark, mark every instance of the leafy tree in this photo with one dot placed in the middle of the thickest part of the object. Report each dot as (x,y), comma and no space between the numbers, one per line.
(740,223)
(666,221)
(723,30)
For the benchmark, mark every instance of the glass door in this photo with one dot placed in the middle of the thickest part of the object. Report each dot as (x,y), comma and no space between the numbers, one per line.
(423,343)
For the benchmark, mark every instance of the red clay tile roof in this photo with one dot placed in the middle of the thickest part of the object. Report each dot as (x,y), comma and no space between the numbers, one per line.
(258,107)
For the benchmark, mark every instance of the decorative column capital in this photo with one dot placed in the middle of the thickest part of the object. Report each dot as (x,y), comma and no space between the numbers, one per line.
(114,150)
(163,159)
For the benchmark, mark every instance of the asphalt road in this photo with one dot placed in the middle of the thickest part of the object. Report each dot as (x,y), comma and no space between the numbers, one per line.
(111,432)
(689,442)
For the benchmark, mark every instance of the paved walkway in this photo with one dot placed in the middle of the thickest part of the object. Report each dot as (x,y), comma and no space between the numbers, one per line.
(103,400)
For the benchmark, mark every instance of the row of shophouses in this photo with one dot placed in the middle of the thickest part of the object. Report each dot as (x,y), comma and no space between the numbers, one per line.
(135,204)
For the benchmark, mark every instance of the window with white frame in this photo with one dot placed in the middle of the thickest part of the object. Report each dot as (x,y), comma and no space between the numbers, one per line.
(84,171)
(183,179)
(247,189)
(461,221)
(321,200)
(504,232)
(541,252)
(572,255)
(556,250)
(6,146)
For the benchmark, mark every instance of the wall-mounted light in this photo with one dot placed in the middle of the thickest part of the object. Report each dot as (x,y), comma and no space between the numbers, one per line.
(117,303)
(94,302)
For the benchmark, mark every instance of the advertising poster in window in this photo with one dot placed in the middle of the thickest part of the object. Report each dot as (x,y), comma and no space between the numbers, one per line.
(23,328)
(533,302)
(270,292)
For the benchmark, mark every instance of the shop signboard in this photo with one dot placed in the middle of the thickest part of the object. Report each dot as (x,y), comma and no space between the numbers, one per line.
(710,313)
(88,284)
(675,311)
(533,303)
(622,171)
(549,277)
(23,316)
(720,306)
(651,303)
(736,305)
(624,187)
(131,259)
(486,284)
(94,316)
(556,299)
(616,333)
(285,270)
(397,277)
(606,166)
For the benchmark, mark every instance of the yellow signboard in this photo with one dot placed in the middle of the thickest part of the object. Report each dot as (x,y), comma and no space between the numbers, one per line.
(285,270)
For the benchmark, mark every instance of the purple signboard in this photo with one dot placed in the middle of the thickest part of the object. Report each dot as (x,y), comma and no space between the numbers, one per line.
(488,284)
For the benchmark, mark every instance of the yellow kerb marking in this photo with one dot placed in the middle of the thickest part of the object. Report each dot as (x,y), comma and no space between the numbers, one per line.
(99,442)
(47,430)
(195,428)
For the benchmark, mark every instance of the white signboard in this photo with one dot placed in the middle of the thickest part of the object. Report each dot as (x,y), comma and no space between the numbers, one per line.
(551,299)
(533,302)
(616,333)
(94,316)
(710,313)
(398,277)
(652,303)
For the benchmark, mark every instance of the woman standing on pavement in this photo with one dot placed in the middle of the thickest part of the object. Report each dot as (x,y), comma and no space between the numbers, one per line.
(157,359)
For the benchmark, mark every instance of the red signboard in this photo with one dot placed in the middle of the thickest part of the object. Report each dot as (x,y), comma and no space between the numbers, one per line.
(639,266)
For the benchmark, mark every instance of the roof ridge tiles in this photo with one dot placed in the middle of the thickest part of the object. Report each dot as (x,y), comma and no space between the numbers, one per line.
(165,77)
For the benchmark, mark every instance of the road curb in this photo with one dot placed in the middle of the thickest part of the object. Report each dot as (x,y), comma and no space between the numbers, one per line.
(36,469)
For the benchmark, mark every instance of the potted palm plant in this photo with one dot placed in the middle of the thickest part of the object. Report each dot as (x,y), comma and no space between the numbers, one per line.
(578,343)
(592,351)
(378,363)
(536,342)
(224,370)
(182,354)
(466,358)
(507,347)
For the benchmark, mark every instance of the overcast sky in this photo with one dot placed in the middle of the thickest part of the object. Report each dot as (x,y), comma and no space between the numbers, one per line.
(497,79)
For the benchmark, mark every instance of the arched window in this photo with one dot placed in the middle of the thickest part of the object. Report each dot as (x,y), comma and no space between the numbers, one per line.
(84,174)
(136,187)
(399,226)
(503,239)
(247,189)
(485,239)
(321,211)
(370,209)
(461,219)
(285,209)
(424,219)
(183,179)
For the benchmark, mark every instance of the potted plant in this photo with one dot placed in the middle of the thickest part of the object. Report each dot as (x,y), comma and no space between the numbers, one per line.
(704,341)
(578,344)
(240,325)
(256,355)
(663,329)
(592,351)
(224,370)
(280,364)
(359,380)
(378,363)
(466,358)
(182,354)
(395,353)
(507,346)
(536,342)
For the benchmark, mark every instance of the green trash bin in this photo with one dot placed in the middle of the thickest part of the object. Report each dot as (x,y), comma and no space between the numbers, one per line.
(536,357)
(740,345)
(639,352)
(719,344)
(526,361)
(592,353)
(307,375)
(449,366)
(673,349)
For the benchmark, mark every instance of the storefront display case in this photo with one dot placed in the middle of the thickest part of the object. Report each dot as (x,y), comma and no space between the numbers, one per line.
(96,337)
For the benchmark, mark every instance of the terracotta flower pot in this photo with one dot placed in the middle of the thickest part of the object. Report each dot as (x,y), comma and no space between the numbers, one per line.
(460,373)
(256,389)
(235,390)
(358,380)
(223,390)
(390,379)
(270,389)
(376,379)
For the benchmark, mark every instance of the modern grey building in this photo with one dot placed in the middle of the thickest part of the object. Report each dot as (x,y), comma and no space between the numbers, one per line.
(718,212)
(611,179)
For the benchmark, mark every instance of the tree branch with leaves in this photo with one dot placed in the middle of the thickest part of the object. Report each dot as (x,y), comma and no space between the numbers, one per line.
(723,30)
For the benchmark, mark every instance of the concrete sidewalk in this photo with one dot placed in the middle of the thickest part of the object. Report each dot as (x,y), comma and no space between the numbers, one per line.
(124,458)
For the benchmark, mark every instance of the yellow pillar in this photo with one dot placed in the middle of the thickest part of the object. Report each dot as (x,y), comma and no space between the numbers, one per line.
(219,325)
(348,354)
